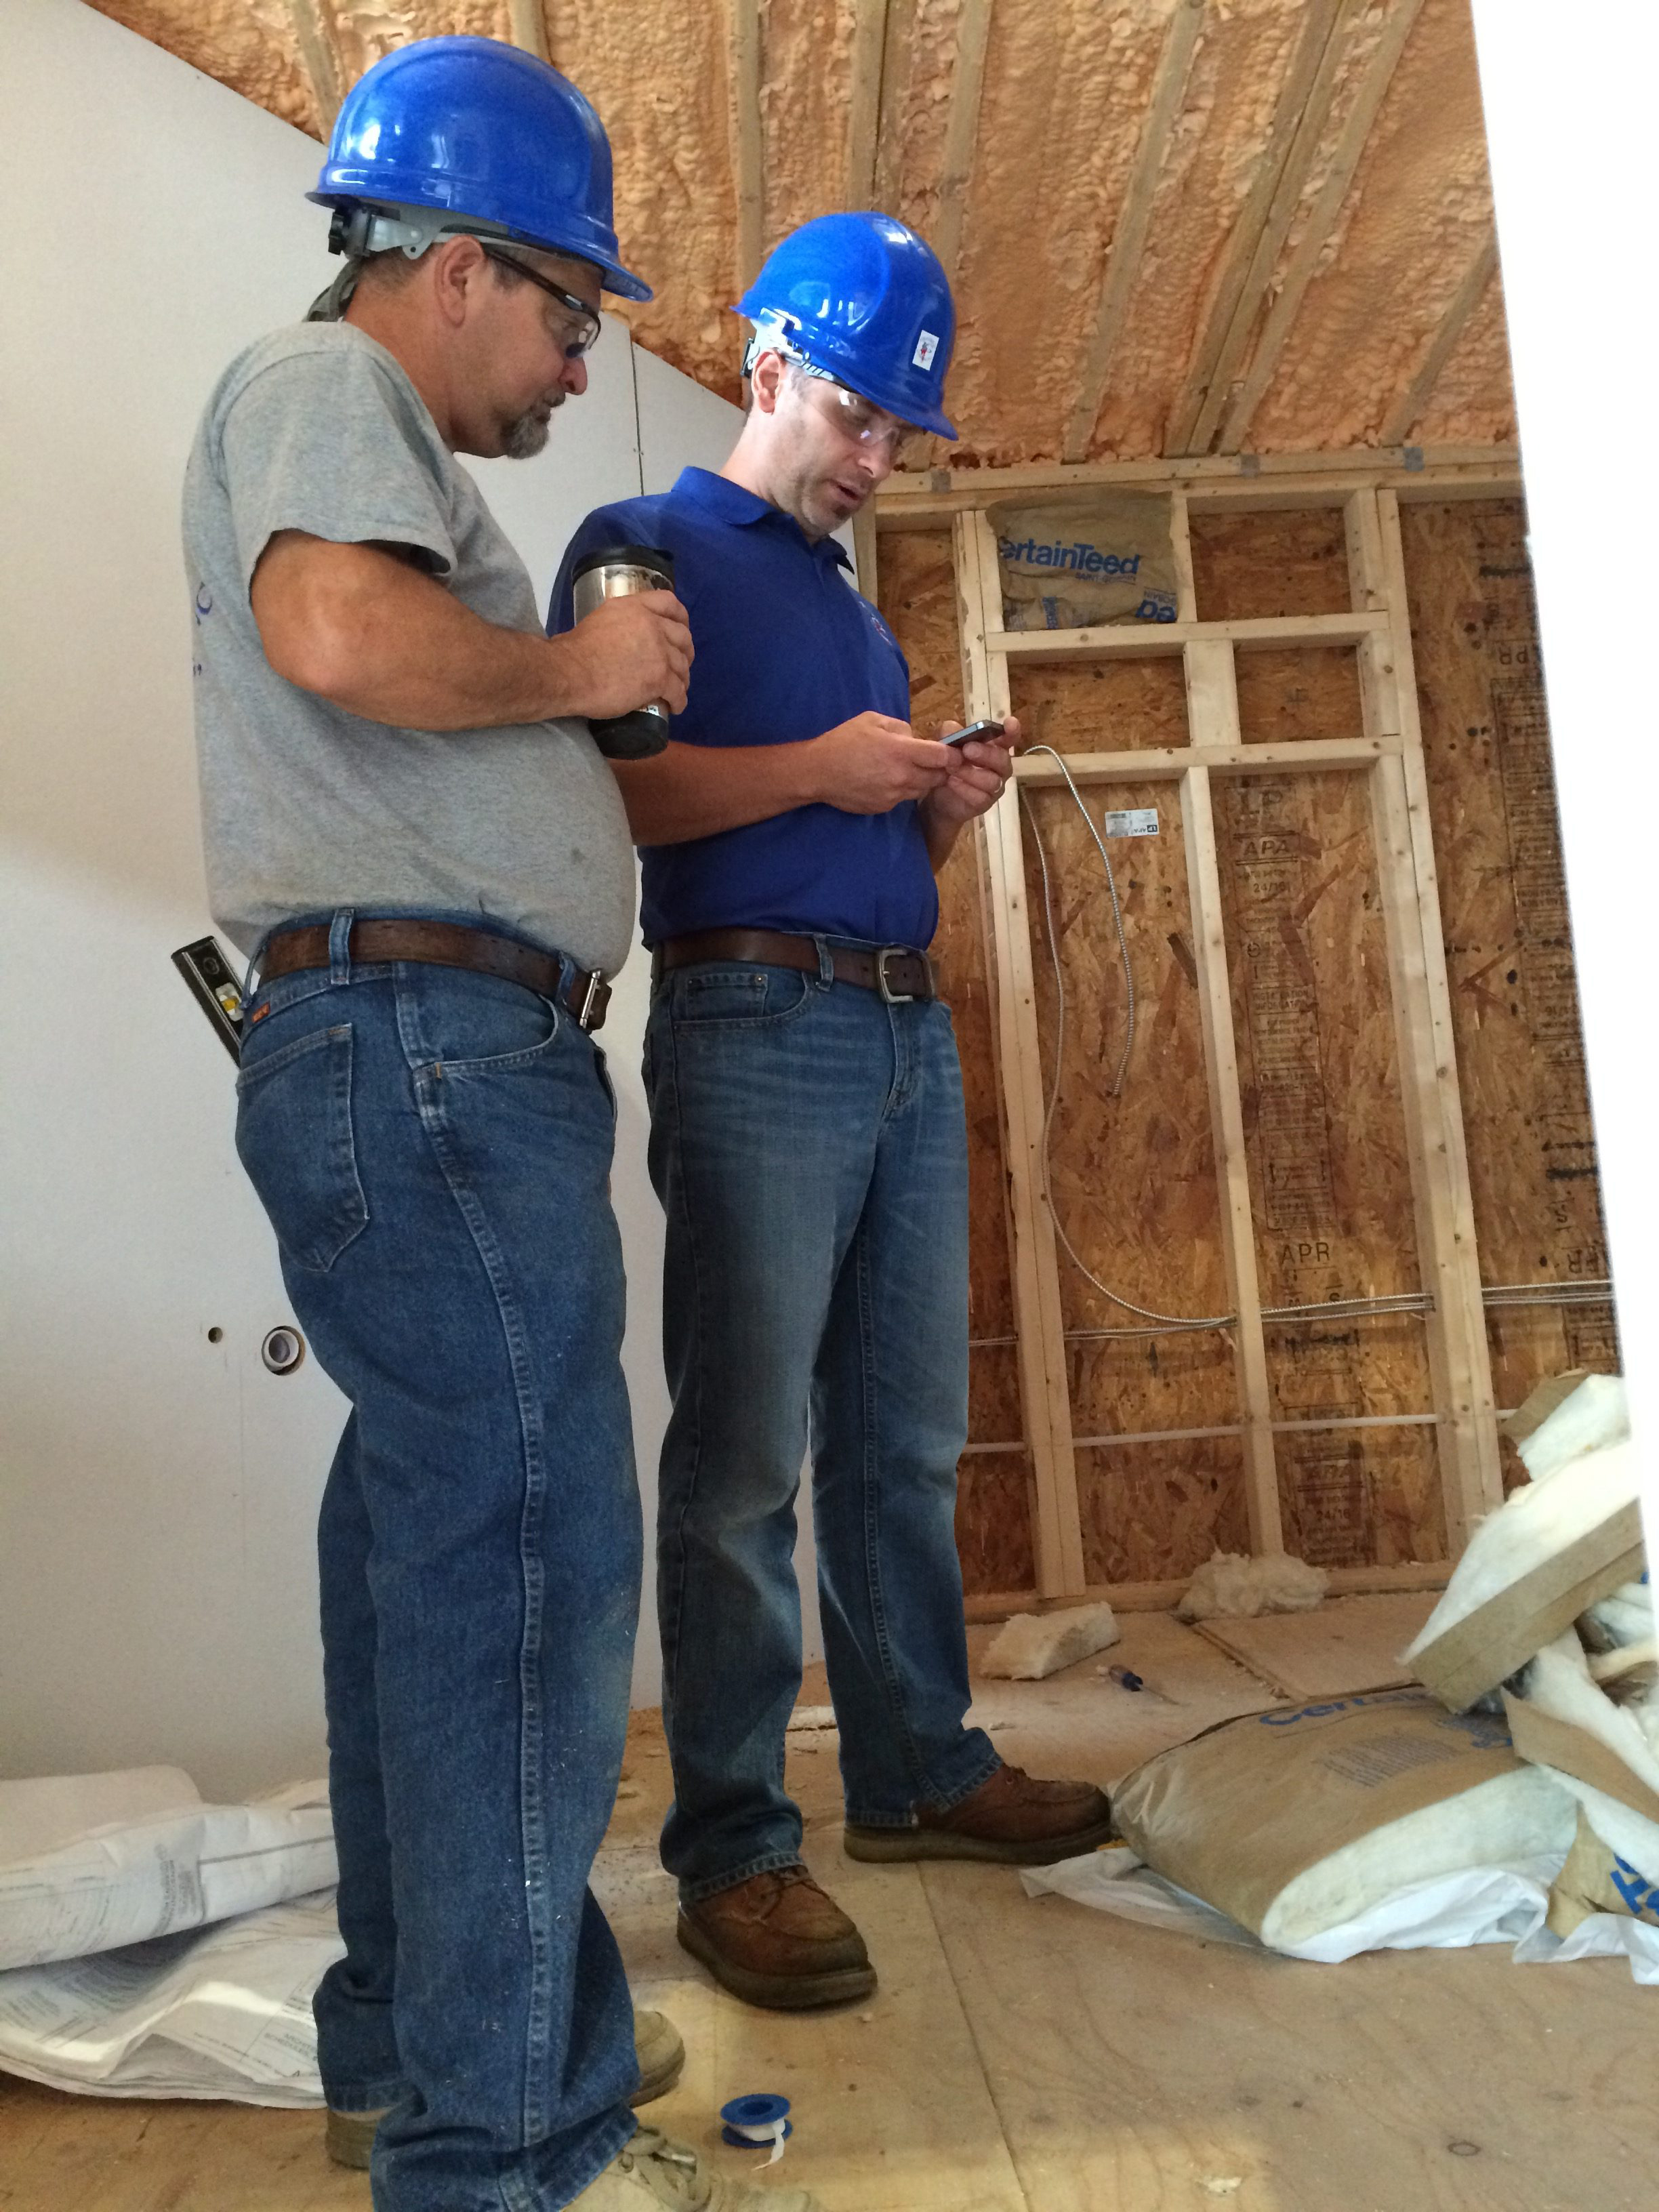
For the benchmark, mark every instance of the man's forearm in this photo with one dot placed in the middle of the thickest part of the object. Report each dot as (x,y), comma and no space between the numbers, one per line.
(941,838)
(361,627)
(697,791)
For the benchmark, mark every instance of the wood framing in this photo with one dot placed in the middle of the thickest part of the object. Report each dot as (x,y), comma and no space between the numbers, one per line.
(1213,714)
(1310,251)
(747,162)
(1260,229)
(318,59)
(1407,410)
(528,26)
(1058,1538)
(923,499)
(1134,220)
(1382,758)
(864,107)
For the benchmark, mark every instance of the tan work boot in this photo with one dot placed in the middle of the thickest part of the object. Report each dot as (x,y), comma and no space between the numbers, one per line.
(778,1940)
(350,2136)
(1014,1819)
(653,2171)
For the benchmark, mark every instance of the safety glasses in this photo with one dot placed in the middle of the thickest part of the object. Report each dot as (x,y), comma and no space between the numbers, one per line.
(859,420)
(588,326)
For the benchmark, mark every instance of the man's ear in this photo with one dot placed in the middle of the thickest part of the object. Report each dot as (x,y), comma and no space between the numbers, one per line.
(766,381)
(459,268)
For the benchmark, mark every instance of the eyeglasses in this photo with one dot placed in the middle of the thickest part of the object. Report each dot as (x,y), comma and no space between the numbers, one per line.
(858,419)
(588,325)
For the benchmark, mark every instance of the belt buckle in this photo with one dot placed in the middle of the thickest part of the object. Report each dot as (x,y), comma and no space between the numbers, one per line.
(885,953)
(594,986)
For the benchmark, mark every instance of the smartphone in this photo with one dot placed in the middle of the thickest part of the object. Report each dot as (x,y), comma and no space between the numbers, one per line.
(990,729)
(214,986)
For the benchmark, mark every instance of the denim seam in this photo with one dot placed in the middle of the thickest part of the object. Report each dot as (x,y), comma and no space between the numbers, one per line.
(715,1885)
(670,1616)
(428,1082)
(872,1521)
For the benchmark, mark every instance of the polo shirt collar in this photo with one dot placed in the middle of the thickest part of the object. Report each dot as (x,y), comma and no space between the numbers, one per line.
(731,502)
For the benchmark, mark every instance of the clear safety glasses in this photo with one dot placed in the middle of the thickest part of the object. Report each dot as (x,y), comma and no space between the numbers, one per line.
(859,420)
(588,326)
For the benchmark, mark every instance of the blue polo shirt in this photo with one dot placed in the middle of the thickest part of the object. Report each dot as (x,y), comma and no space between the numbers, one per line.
(785,649)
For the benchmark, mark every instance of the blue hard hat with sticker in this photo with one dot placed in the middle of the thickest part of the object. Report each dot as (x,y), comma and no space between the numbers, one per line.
(473,134)
(862,297)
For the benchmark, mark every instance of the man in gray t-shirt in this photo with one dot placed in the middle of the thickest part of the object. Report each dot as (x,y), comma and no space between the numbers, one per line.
(410,828)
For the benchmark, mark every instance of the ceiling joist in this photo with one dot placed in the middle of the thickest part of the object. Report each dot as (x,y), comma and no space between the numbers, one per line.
(319,64)
(864,106)
(1407,410)
(1321,221)
(1134,217)
(528,27)
(747,154)
(1259,232)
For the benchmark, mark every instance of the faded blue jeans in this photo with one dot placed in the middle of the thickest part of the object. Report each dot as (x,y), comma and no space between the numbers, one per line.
(807,1143)
(433,1146)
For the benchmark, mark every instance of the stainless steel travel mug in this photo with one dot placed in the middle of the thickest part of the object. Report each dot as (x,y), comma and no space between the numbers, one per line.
(614,573)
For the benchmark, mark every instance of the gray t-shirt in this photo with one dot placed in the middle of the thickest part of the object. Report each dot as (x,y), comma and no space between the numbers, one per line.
(306,807)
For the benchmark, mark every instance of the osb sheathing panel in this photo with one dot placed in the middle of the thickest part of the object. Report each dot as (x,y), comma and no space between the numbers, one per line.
(1509,947)
(918,598)
(1288,563)
(1134,1190)
(1134,1175)
(1330,1182)
(1066,86)
(1108,707)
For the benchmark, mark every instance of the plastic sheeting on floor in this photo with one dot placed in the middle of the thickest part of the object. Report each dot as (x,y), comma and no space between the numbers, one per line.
(222,2011)
(1478,1904)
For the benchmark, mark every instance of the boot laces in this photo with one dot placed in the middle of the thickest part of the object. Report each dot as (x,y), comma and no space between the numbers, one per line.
(668,2169)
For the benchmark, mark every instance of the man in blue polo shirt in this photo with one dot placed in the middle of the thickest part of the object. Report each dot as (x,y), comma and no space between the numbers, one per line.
(807,1143)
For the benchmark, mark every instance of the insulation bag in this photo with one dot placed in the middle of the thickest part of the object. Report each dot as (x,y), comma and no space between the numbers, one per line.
(1596,1880)
(1553,1549)
(1302,1819)
(1605,1755)
(1076,566)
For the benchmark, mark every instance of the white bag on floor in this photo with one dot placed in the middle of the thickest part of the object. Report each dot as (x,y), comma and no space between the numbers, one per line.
(92,1863)
(221,2012)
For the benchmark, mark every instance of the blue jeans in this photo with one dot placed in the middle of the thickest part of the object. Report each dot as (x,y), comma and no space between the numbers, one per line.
(433,1148)
(807,1143)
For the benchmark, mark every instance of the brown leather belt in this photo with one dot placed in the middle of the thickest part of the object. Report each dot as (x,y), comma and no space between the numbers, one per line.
(444,944)
(895,970)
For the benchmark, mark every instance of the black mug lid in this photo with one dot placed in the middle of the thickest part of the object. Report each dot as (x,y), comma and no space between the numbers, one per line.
(652,557)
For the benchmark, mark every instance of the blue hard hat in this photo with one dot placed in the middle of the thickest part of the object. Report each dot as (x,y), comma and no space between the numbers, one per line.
(864,298)
(486,133)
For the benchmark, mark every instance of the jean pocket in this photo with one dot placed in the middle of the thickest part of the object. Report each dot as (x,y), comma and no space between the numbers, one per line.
(739,998)
(294,1136)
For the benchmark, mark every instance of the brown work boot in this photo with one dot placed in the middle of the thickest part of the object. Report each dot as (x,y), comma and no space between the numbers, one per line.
(654,2172)
(778,1940)
(1013,1819)
(658,2050)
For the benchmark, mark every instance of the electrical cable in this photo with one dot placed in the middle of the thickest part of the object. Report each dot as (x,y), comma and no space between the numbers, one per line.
(1355,1308)
(1173,1322)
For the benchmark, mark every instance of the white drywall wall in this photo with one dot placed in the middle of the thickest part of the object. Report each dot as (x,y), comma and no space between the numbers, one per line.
(1569,121)
(158,1490)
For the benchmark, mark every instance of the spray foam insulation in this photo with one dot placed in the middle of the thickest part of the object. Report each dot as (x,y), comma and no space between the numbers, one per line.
(1065,87)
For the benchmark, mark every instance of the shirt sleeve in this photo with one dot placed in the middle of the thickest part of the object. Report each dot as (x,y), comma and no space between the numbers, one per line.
(325,444)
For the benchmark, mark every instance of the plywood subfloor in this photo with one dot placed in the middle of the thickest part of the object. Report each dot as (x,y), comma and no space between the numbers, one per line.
(1349,1644)
(1028,2055)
